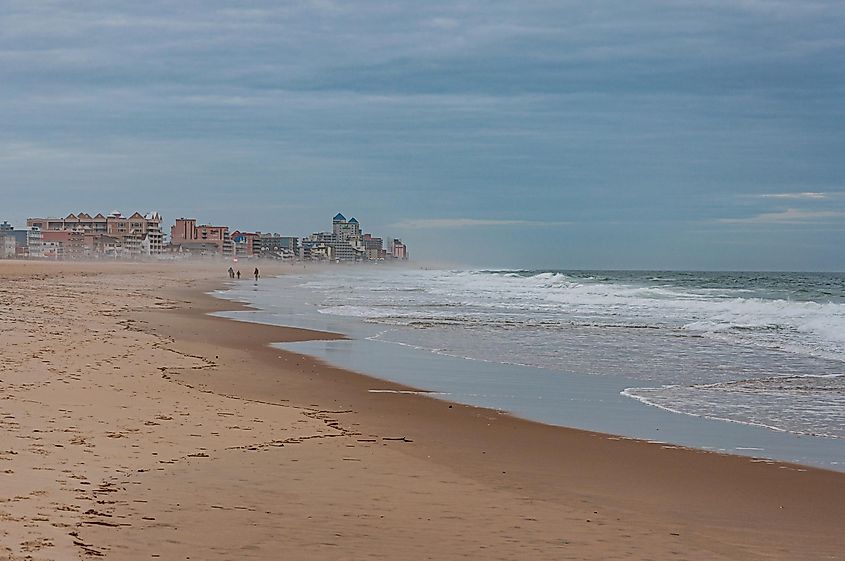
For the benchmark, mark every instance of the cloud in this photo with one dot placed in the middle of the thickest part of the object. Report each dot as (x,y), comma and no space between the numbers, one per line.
(451,223)
(492,110)
(805,195)
(789,216)
(443,23)
(33,154)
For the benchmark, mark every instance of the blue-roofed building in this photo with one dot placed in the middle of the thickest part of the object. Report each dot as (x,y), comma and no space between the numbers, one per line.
(345,242)
(353,229)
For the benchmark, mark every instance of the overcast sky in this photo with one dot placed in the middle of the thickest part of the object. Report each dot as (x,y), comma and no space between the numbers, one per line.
(705,134)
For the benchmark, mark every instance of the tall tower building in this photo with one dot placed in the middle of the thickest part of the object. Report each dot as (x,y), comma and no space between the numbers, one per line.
(338,225)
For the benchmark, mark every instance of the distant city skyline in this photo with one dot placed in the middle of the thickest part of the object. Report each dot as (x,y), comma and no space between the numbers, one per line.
(114,235)
(607,135)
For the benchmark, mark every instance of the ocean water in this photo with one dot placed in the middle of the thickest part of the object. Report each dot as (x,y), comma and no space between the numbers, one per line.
(759,349)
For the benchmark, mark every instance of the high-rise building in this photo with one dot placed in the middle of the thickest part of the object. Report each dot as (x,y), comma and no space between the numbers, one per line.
(245,244)
(27,242)
(34,242)
(7,245)
(374,247)
(346,242)
(8,241)
(64,244)
(398,250)
(338,224)
(188,237)
(137,234)
(275,246)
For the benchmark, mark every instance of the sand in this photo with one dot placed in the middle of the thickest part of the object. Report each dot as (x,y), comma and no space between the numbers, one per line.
(135,426)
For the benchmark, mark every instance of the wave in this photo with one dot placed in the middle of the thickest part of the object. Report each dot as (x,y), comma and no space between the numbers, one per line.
(738,349)
(554,300)
(806,404)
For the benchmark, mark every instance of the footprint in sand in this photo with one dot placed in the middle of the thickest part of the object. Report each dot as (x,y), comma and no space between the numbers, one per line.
(30,546)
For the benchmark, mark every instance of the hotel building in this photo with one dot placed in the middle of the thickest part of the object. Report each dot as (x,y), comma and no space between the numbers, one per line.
(132,236)
(246,244)
(275,246)
(346,243)
(188,237)
(398,250)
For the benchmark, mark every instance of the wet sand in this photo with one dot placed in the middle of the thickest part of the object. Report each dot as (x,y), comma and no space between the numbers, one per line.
(135,426)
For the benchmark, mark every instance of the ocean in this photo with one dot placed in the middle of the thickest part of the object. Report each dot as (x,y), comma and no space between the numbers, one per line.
(762,350)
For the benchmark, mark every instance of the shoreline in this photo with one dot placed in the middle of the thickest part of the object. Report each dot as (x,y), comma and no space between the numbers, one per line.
(305,335)
(574,400)
(480,437)
(279,454)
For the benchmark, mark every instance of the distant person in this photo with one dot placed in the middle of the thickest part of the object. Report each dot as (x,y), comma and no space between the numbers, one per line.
(239,274)
(231,273)
(256,274)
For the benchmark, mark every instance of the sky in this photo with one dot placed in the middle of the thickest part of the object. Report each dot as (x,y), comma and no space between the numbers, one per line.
(706,134)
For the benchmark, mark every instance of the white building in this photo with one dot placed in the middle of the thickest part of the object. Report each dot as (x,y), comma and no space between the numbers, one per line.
(34,243)
(7,246)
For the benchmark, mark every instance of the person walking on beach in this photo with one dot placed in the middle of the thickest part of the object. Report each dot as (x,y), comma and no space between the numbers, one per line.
(231,273)
(239,274)
(256,274)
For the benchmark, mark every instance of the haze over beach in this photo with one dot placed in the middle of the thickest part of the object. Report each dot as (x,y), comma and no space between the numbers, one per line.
(485,280)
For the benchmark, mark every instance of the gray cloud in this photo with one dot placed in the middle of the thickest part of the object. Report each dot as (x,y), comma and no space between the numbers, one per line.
(663,111)
(455,223)
(805,195)
(788,216)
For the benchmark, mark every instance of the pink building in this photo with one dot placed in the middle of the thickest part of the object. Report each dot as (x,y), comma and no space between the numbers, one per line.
(63,244)
(246,244)
(133,232)
(187,236)
(399,250)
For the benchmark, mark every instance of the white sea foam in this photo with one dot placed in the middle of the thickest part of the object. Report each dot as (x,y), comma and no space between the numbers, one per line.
(408,392)
(810,405)
(551,299)
(760,349)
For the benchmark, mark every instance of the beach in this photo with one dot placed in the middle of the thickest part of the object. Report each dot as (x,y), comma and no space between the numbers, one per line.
(134,425)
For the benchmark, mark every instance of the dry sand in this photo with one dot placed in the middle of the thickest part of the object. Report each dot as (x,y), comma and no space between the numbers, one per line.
(134,426)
